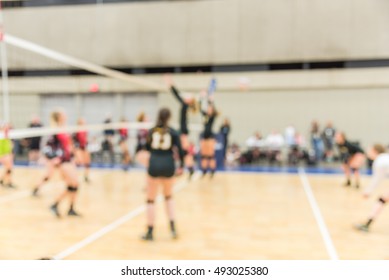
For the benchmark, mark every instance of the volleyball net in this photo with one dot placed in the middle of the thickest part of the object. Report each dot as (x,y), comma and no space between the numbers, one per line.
(42,80)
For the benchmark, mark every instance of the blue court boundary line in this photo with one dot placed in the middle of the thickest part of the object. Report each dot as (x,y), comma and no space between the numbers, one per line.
(242,169)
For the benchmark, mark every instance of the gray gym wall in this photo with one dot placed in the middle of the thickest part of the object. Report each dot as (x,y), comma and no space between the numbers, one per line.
(216,32)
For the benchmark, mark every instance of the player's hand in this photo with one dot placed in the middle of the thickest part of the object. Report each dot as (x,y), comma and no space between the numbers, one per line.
(179,171)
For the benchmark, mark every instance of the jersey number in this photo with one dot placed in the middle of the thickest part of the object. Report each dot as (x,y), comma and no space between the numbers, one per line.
(161,141)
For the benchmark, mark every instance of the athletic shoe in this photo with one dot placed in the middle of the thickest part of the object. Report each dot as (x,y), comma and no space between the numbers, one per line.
(360,227)
(35,192)
(174,234)
(73,213)
(147,237)
(10,186)
(54,209)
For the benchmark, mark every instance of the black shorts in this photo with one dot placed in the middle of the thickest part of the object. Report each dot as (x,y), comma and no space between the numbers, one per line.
(140,148)
(206,136)
(161,166)
(345,158)
(34,147)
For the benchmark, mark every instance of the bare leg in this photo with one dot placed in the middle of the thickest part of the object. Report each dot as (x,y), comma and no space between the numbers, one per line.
(152,186)
(189,163)
(346,170)
(86,162)
(46,177)
(168,193)
(125,155)
(69,174)
(7,162)
(204,155)
(377,209)
(355,164)
(212,160)
(356,176)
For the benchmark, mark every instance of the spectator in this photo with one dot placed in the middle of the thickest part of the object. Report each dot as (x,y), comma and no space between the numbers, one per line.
(290,136)
(328,136)
(255,144)
(233,155)
(107,145)
(255,141)
(298,151)
(274,142)
(316,141)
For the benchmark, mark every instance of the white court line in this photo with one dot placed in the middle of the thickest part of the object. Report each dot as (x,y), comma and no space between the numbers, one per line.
(14,196)
(100,233)
(318,216)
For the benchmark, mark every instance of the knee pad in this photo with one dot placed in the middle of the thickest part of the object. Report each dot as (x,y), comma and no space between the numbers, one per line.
(8,172)
(72,189)
(46,179)
(87,165)
(150,201)
(185,152)
(353,170)
(211,157)
(381,200)
(168,197)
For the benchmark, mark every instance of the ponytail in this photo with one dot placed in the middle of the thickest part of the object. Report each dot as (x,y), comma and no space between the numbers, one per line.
(163,117)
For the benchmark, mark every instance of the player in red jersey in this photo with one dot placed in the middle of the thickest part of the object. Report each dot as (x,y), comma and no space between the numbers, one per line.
(81,148)
(60,150)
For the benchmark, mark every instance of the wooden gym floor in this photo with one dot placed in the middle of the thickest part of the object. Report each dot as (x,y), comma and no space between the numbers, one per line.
(233,216)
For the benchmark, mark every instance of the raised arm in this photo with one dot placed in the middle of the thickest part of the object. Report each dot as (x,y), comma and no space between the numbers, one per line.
(173,89)
(176,94)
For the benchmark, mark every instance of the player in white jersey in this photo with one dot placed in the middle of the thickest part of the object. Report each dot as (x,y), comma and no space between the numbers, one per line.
(380,172)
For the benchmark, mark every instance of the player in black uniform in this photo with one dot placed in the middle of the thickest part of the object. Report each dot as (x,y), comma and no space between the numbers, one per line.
(162,140)
(186,103)
(207,144)
(352,157)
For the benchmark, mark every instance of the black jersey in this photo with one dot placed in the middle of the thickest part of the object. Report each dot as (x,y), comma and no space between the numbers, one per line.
(161,141)
(183,113)
(208,124)
(348,148)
